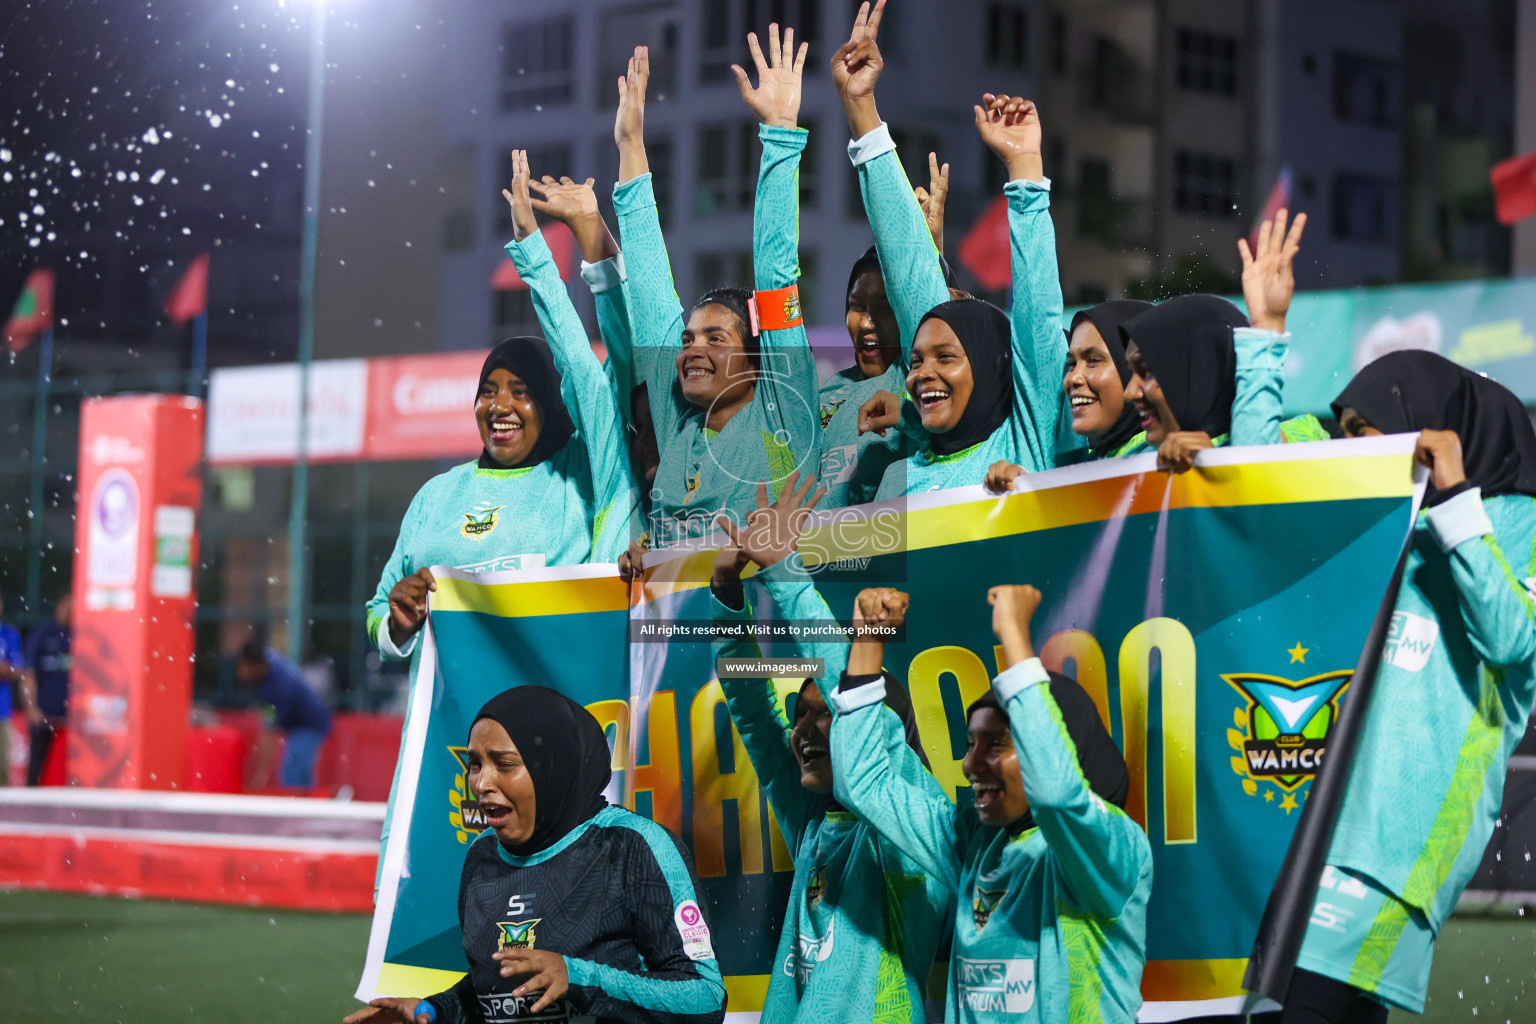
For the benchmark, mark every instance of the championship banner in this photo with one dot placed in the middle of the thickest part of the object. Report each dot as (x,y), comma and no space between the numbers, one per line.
(1214,617)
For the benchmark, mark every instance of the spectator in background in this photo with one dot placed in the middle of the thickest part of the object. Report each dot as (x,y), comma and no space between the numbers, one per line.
(13,669)
(301,716)
(45,686)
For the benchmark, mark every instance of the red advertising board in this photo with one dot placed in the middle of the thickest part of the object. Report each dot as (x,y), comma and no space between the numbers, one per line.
(422,407)
(135,558)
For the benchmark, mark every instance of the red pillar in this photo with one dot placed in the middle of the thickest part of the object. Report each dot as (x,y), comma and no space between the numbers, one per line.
(130,677)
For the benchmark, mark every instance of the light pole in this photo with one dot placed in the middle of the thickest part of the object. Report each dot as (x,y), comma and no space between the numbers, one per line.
(298,506)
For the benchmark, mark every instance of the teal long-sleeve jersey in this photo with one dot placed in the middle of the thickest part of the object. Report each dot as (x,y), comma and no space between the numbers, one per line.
(704,473)
(1050,925)
(1452,699)
(853,464)
(863,922)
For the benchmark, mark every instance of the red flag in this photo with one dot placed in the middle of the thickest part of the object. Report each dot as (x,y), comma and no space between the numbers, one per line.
(1279,199)
(1514,187)
(562,246)
(33,312)
(984,250)
(189,299)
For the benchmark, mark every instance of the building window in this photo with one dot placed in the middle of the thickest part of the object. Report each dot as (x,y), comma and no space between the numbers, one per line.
(727,22)
(724,179)
(913,148)
(1007,36)
(1204,185)
(553,159)
(513,313)
(810,190)
(1366,90)
(538,63)
(722,270)
(619,29)
(1364,208)
(1095,204)
(1207,63)
(658,153)
(1061,41)
(459,230)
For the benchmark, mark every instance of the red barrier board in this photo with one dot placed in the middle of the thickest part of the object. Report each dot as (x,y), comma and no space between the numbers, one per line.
(297,879)
(422,407)
(135,555)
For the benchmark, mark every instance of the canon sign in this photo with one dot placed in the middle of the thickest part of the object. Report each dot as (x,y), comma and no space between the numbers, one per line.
(417,395)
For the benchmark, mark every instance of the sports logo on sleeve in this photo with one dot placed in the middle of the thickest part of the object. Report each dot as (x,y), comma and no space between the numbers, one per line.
(996,986)
(1410,639)
(693,931)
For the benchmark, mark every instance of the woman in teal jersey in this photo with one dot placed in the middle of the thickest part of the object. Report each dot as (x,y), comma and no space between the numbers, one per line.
(1097,373)
(1051,878)
(551,486)
(737,404)
(863,922)
(1452,696)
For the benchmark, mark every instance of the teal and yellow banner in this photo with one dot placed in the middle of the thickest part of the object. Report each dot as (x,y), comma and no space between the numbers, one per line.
(1213,616)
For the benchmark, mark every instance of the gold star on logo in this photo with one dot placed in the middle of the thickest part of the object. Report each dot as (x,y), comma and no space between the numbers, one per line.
(1298,653)
(1269,796)
(1289,803)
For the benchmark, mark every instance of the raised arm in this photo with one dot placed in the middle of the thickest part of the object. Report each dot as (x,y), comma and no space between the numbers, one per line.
(1268,285)
(1010,127)
(655,311)
(914,278)
(589,397)
(1099,852)
(1496,607)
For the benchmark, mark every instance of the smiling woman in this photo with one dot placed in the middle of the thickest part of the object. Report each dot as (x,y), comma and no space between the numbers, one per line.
(605,920)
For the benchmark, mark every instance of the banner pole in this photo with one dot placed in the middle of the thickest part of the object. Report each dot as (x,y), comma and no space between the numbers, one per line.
(1278,944)
(199,369)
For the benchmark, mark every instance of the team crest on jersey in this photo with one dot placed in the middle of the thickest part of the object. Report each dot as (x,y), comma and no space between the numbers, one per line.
(516,934)
(693,485)
(985,901)
(1281,733)
(815,887)
(465,815)
(833,403)
(479,522)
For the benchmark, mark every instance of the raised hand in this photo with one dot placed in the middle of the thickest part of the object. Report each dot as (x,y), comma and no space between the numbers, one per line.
(1268,282)
(408,605)
(932,199)
(856,67)
(1010,126)
(880,413)
(1012,609)
(1001,476)
(1177,452)
(629,122)
(1440,450)
(574,204)
(776,100)
(773,530)
(523,221)
(877,611)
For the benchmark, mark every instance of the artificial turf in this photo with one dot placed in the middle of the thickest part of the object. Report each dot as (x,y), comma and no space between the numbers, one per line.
(106,960)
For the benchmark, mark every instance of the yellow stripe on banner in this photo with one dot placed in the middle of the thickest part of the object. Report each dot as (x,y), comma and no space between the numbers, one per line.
(1184,980)
(546,597)
(745,992)
(1259,483)
(404,980)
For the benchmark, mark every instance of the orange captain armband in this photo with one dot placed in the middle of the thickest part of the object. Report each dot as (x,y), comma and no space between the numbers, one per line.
(776,310)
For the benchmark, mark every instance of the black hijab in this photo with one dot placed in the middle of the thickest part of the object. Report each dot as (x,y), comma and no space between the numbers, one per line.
(1410,391)
(985,334)
(900,701)
(1107,318)
(1101,762)
(870,260)
(566,755)
(1186,343)
(530,361)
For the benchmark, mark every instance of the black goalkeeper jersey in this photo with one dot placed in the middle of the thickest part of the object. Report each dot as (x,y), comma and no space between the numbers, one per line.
(617,899)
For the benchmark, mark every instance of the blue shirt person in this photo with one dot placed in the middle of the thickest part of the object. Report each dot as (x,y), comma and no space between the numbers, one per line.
(44,681)
(300,715)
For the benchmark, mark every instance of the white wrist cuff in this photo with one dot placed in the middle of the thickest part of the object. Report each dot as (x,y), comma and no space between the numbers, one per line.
(605,275)
(844,701)
(876,143)
(1460,519)
(1016,679)
(387,643)
(1044,184)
